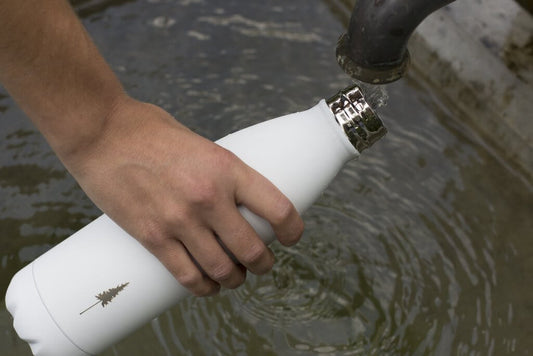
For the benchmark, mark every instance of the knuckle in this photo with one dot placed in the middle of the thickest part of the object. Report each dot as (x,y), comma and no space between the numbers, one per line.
(178,217)
(295,234)
(226,159)
(153,236)
(228,275)
(204,193)
(192,280)
(254,255)
(283,211)
(222,272)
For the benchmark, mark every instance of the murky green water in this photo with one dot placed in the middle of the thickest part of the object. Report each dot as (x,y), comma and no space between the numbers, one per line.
(422,247)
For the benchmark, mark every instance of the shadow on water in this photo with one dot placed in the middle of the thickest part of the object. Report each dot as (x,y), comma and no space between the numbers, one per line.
(419,248)
(88,8)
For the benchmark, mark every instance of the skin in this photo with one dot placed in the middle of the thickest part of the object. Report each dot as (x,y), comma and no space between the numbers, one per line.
(166,186)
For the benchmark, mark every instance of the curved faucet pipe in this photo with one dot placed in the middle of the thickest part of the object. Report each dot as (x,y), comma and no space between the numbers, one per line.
(374,50)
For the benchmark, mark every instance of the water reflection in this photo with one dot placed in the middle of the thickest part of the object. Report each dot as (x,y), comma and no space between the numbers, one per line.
(27,178)
(419,248)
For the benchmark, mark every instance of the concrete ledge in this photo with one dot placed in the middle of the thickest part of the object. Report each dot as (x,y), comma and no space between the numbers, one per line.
(479,55)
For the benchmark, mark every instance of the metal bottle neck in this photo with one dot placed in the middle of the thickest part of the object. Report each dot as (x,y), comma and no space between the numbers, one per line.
(359,122)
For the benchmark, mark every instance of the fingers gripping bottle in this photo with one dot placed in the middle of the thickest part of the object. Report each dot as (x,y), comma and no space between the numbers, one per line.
(100,284)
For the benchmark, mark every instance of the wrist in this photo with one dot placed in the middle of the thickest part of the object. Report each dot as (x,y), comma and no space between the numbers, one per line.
(78,144)
(124,133)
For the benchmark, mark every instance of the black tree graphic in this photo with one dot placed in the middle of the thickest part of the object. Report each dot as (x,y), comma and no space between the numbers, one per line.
(107,296)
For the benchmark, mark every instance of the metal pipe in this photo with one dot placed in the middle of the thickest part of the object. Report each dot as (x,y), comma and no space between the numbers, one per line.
(374,50)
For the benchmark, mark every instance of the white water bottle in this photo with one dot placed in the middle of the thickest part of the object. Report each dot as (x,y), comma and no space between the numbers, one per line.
(100,284)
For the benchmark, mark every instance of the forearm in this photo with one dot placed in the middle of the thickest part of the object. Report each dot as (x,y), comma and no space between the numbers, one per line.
(50,66)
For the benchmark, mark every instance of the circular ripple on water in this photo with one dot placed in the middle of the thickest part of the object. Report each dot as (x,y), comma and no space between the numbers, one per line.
(298,288)
(342,288)
(356,284)
(350,287)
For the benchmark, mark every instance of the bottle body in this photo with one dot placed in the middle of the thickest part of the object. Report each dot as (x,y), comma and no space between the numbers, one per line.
(100,284)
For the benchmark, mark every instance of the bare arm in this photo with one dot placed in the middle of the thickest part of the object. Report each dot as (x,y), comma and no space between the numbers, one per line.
(168,187)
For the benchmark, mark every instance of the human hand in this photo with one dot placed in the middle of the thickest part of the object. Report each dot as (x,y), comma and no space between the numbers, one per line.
(176,192)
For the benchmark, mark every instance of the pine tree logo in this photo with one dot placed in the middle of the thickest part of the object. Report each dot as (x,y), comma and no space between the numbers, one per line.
(107,296)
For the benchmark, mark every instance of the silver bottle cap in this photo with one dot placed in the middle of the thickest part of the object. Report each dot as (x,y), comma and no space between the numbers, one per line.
(359,122)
